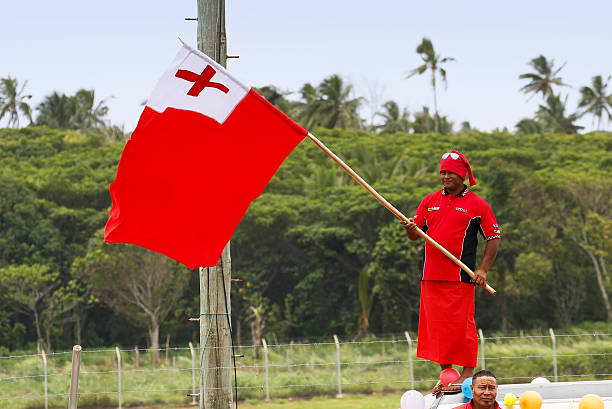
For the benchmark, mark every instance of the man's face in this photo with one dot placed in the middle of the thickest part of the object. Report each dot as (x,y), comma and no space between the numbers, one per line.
(451,181)
(484,389)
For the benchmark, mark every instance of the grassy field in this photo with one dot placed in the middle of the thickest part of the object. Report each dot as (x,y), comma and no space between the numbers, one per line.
(374,372)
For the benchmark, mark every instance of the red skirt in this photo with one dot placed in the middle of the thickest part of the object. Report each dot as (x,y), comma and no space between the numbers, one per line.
(447,330)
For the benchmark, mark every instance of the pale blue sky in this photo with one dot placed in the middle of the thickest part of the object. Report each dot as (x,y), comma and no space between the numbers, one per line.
(120,48)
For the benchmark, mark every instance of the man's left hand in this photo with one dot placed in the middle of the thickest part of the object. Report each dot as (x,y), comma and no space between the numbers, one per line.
(480,278)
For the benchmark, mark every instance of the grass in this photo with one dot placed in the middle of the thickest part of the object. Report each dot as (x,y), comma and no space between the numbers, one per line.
(376,370)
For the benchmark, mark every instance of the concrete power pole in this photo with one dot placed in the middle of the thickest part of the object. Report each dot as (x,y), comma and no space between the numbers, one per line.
(215,336)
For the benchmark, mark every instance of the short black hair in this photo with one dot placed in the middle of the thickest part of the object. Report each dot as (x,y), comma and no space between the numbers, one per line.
(483,373)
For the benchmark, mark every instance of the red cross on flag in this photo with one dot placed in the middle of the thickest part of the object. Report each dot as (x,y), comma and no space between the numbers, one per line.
(204,148)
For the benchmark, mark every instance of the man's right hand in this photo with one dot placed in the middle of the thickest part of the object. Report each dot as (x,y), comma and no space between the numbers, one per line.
(411,228)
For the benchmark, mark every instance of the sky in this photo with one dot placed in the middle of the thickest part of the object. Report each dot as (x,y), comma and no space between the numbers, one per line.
(121,48)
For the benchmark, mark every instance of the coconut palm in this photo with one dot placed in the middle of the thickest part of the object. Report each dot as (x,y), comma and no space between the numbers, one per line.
(544,77)
(329,105)
(395,120)
(594,100)
(56,111)
(424,123)
(528,126)
(75,112)
(12,101)
(553,117)
(88,114)
(432,62)
(336,108)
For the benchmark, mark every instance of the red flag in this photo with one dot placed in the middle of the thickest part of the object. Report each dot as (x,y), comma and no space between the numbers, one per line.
(204,148)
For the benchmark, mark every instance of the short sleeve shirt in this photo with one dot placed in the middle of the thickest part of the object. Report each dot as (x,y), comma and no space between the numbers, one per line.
(454,221)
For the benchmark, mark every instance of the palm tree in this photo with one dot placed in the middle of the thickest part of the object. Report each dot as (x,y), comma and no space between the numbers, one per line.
(424,123)
(56,111)
(87,115)
(433,63)
(335,107)
(76,112)
(394,119)
(528,126)
(12,100)
(552,116)
(329,105)
(544,77)
(595,101)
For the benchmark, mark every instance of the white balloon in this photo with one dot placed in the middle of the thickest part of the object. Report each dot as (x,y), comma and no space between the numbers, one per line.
(412,400)
(540,380)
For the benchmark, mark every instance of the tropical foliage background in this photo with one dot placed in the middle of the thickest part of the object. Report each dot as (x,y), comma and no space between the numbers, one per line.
(318,254)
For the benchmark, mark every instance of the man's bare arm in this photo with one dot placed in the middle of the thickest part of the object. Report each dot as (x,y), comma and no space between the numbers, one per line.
(490,252)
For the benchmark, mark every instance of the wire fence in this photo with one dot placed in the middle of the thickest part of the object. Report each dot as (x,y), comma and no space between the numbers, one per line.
(116,377)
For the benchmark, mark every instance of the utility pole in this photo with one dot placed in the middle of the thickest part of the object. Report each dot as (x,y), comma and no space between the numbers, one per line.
(215,335)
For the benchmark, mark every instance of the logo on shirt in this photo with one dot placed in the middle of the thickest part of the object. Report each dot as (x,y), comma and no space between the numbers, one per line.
(431,209)
(461,209)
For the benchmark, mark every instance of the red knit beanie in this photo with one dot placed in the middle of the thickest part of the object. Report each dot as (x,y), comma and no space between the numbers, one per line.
(457,163)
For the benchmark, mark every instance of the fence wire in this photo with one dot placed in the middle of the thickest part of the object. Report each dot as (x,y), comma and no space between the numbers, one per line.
(380,364)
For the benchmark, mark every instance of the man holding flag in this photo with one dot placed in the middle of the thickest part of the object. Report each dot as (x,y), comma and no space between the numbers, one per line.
(453,217)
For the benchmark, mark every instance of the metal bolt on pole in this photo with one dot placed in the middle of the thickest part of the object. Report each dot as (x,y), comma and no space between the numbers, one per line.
(482,348)
(410,358)
(265,347)
(118,353)
(554,351)
(44,358)
(74,377)
(339,395)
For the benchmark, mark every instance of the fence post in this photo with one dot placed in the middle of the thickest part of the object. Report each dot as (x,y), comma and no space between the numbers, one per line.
(74,376)
(339,395)
(410,358)
(118,353)
(265,347)
(193,374)
(554,351)
(482,347)
(137,352)
(44,358)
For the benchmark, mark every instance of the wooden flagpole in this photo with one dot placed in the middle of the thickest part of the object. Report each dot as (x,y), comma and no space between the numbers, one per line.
(392,209)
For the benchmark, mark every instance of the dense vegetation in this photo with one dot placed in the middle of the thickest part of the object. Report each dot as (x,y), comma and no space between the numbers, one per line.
(318,253)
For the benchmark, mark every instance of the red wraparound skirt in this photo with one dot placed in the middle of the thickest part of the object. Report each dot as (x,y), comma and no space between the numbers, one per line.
(447,330)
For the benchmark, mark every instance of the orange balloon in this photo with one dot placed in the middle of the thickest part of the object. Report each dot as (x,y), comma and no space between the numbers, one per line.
(530,400)
(591,401)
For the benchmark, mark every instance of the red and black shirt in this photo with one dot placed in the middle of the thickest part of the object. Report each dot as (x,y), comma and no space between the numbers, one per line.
(454,221)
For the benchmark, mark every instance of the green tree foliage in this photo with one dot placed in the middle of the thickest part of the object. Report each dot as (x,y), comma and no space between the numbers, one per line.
(594,101)
(13,101)
(329,105)
(553,118)
(72,112)
(394,119)
(318,254)
(30,287)
(142,285)
(544,77)
(425,123)
(431,62)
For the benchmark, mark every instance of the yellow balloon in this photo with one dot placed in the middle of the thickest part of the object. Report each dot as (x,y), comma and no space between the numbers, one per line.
(509,400)
(591,401)
(530,400)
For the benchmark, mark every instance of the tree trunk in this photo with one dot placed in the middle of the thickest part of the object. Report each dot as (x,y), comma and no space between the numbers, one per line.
(37,325)
(154,339)
(600,282)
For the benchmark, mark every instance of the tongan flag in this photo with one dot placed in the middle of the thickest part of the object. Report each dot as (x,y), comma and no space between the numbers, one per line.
(204,148)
